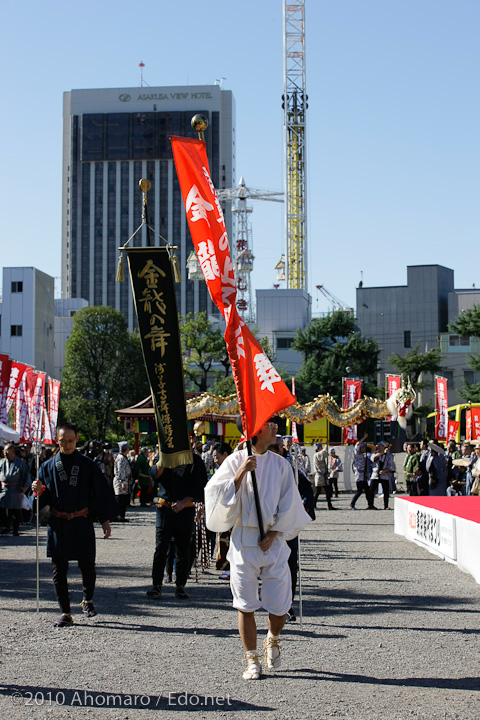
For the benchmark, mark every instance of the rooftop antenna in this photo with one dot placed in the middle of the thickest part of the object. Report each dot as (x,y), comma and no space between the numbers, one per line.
(141,65)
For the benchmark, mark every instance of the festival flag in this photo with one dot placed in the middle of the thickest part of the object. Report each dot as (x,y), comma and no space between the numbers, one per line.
(394,383)
(51,417)
(351,393)
(441,402)
(17,372)
(22,406)
(468,425)
(261,391)
(5,366)
(452,430)
(475,423)
(156,307)
(294,424)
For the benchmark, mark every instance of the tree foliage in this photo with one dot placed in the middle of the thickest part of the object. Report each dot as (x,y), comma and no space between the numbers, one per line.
(468,325)
(203,347)
(104,370)
(414,363)
(330,345)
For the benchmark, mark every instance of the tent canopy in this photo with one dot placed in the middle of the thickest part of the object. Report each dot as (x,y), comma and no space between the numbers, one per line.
(8,434)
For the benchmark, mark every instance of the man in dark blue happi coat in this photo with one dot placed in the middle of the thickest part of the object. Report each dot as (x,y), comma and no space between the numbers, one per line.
(74,488)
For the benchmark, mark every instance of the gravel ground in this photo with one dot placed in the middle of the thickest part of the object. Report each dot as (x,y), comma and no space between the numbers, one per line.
(390,632)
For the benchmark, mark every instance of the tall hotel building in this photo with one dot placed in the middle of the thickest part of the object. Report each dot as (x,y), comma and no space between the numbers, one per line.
(111,139)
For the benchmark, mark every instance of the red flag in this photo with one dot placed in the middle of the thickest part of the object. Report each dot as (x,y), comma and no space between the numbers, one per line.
(260,389)
(475,423)
(394,383)
(22,406)
(294,424)
(452,430)
(16,374)
(468,425)
(352,393)
(37,404)
(441,407)
(5,367)
(51,418)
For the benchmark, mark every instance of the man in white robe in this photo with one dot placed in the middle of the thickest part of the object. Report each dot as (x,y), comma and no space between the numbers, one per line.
(229,503)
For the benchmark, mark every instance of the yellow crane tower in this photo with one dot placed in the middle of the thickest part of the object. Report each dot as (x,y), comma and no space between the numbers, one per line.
(295,106)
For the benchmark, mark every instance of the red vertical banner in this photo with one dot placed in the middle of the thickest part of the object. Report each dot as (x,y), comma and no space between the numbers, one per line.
(475,423)
(5,367)
(468,425)
(22,405)
(394,383)
(441,408)
(351,393)
(51,417)
(294,424)
(37,405)
(16,374)
(260,389)
(452,430)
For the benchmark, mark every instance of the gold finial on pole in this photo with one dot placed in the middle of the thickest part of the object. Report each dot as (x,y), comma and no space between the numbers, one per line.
(199,123)
(145,186)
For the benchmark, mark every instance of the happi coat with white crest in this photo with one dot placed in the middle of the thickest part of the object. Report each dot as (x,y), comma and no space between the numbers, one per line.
(280,502)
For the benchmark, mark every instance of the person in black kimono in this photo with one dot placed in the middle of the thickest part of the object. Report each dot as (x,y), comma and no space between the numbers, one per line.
(178,488)
(76,491)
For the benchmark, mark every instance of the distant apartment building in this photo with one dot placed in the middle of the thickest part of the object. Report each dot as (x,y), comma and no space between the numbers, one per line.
(65,311)
(27,317)
(280,313)
(399,317)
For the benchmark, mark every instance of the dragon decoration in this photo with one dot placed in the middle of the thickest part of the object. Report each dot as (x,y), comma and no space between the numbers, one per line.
(399,406)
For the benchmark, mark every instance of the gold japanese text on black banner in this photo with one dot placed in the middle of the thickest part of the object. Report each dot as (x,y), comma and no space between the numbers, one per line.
(156,306)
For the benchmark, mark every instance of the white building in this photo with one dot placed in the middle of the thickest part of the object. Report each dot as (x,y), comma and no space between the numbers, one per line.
(65,311)
(27,317)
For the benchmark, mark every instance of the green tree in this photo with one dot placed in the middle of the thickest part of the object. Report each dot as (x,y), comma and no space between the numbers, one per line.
(104,370)
(468,325)
(202,347)
(330,345)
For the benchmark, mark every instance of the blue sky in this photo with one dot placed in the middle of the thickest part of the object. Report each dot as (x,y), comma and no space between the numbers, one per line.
(393,122)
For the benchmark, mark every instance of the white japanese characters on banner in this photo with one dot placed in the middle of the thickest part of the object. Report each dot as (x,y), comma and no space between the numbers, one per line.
(5,366)
(261,391)
(441,426)
(394,383)
(351,393)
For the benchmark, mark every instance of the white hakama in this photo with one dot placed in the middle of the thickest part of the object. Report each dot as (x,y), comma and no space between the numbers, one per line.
(282,511)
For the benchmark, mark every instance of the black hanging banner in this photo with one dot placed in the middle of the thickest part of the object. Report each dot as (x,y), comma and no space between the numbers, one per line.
(156,306)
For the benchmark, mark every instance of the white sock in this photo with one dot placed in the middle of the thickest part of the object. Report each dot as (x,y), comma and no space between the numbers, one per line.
(251,651)
(271,635)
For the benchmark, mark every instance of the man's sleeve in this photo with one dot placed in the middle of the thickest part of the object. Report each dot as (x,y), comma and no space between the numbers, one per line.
(291,516)
(222,503)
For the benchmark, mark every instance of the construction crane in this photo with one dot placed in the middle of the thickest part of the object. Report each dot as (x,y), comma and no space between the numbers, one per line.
(295,106)
(335,302)
(243,260)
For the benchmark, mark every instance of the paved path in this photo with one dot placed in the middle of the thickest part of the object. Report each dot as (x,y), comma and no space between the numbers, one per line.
(390,633)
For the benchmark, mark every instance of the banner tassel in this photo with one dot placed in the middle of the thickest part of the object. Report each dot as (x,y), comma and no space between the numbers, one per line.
(176,269)
(120,276)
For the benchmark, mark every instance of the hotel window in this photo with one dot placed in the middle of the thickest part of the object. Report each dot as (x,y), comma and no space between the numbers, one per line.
(17,286)
(16,331)
(407,339)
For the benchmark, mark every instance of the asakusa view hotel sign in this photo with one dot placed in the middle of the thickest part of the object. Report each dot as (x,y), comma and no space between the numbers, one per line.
(126,97)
